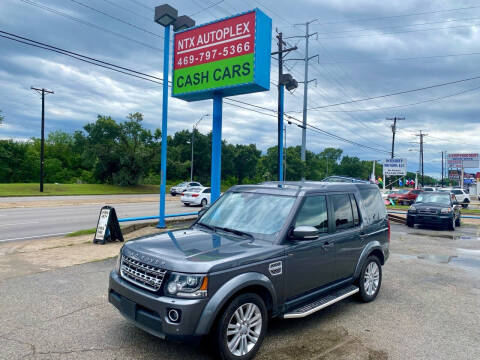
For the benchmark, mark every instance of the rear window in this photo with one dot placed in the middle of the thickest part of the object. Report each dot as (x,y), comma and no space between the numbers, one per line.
(457,192)
(416,191)
(373,203)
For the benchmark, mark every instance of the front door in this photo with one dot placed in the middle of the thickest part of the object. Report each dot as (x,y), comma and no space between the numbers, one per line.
(309,262)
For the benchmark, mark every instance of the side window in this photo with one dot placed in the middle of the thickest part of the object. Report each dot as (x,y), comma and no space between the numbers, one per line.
(206,191)
(356,215)
(343,211)
(314,213)
(373,204)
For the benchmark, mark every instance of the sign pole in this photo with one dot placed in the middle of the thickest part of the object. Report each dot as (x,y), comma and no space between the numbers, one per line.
(163,160)
(281,91)
(216,147)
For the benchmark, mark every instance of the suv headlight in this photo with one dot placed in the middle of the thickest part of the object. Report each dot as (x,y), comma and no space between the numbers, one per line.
(446,210)
(412,209)
(187,285)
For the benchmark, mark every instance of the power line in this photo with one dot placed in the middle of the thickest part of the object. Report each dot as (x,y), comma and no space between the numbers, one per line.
(116,18)
(141,5)
(61,13)
(128,10)
(397,16)
(83,58)
(405,105)
(206,8)
(397,93)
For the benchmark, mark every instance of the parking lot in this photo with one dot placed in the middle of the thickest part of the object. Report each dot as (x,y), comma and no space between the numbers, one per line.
(428,308)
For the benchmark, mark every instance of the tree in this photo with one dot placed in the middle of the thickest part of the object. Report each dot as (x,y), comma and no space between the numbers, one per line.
(246,159)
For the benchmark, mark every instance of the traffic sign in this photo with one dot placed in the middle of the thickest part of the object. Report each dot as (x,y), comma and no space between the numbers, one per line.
(229,56)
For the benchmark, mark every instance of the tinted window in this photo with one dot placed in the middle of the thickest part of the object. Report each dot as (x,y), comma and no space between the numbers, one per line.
(356,214)
(457,192)
(343,211)
(314,213)
(374,206)
(416,191)
(206,191)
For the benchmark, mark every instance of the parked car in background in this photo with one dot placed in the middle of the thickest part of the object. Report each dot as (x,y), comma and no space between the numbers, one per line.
(196,196)
(462,197)
(184,186)
(428,188)
(407,197)
(396,193)
(435,208)
(386,193)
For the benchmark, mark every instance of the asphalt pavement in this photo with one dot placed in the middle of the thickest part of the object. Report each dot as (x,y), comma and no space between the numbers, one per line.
(64,215)
(427,308)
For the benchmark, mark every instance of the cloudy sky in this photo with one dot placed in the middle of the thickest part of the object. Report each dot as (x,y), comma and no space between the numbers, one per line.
(366,49)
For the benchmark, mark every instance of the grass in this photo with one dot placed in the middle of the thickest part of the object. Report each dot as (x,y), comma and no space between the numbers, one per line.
(405,207)
(82,232)
(32,189)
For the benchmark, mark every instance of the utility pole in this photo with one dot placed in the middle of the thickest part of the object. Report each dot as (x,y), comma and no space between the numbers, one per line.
(305,87)
(394,130)
(421,135)
(284,80)
(442,169)
(42,91)
(193,133)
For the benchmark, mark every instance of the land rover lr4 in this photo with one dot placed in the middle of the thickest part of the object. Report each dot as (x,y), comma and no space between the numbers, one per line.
(260,251)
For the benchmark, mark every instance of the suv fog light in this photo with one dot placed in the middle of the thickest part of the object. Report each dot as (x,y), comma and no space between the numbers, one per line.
(174,315)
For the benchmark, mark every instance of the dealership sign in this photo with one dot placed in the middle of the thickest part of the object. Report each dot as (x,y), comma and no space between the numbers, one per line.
(395,166)
(229,57)
(463,161)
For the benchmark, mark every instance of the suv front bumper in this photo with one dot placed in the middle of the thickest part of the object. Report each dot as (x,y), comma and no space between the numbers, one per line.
(149,311)
(426,219)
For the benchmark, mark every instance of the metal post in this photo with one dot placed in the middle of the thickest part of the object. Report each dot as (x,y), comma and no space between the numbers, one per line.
(285,152)
(163,160)
(42,142)
(191,163)
(305,90)
(442,169)
(216,147)
(461,178)
(281,90)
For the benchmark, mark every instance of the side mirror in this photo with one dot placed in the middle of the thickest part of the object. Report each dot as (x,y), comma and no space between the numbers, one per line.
(305,233)
(203,210)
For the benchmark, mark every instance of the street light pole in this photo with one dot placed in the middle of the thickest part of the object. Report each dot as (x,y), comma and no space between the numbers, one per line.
(193,134)
(166,16)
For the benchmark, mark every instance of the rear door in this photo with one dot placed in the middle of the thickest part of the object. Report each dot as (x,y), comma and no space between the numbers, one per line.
(309,263)
(348,244)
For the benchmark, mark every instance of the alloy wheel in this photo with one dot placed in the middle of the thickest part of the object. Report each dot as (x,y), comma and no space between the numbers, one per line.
(371,278)
(244,329)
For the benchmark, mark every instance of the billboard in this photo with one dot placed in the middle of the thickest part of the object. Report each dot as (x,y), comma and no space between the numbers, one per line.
(230,56)
(396,166)
(463,160)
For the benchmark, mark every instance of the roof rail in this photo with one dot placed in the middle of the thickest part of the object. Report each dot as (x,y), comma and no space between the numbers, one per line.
(346,179)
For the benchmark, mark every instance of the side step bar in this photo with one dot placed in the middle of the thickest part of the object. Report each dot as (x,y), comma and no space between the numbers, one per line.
(322,303)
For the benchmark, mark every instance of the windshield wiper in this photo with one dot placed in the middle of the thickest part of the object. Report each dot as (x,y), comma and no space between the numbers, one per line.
(236,232)
(210,227)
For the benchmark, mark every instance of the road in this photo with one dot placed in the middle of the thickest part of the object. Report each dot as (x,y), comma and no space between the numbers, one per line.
(57,215)
(427,308)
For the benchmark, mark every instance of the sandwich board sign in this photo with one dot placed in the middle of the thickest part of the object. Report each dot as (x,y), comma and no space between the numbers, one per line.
(395,166)
(108,227)
(230,56)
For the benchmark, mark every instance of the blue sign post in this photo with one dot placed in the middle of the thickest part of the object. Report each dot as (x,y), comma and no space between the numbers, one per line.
(226,57)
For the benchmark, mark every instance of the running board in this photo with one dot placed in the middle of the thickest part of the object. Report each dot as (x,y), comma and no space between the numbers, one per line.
(322,303)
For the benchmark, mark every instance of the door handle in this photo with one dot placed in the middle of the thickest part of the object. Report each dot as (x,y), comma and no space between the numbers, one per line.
(327,245)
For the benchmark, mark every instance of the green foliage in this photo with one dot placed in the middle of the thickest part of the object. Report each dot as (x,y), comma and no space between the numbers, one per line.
(127,154)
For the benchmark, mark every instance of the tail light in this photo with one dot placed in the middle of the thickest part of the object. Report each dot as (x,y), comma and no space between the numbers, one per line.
(194,195)
(389,230)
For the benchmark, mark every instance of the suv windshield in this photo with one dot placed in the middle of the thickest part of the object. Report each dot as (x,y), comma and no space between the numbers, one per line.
(433,198)
(253,213)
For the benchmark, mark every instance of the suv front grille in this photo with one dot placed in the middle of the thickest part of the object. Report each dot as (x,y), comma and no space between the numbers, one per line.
(146,276)
(428,211)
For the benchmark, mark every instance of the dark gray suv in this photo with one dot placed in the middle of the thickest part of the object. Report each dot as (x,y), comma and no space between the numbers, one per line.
(260,251)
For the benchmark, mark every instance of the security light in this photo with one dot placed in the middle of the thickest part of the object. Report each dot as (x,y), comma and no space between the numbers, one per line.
(165,15)
(289,82)
(183,22)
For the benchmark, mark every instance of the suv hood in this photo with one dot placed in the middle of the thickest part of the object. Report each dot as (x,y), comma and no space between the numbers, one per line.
(198,251)
(430,205)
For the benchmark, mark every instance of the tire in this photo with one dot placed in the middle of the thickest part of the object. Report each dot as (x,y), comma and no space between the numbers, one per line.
(451,224)
(204,202)
(458,222)
(173,194)
(186,204)
(370,287)
(228,318)
(410,223)
(465,203)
